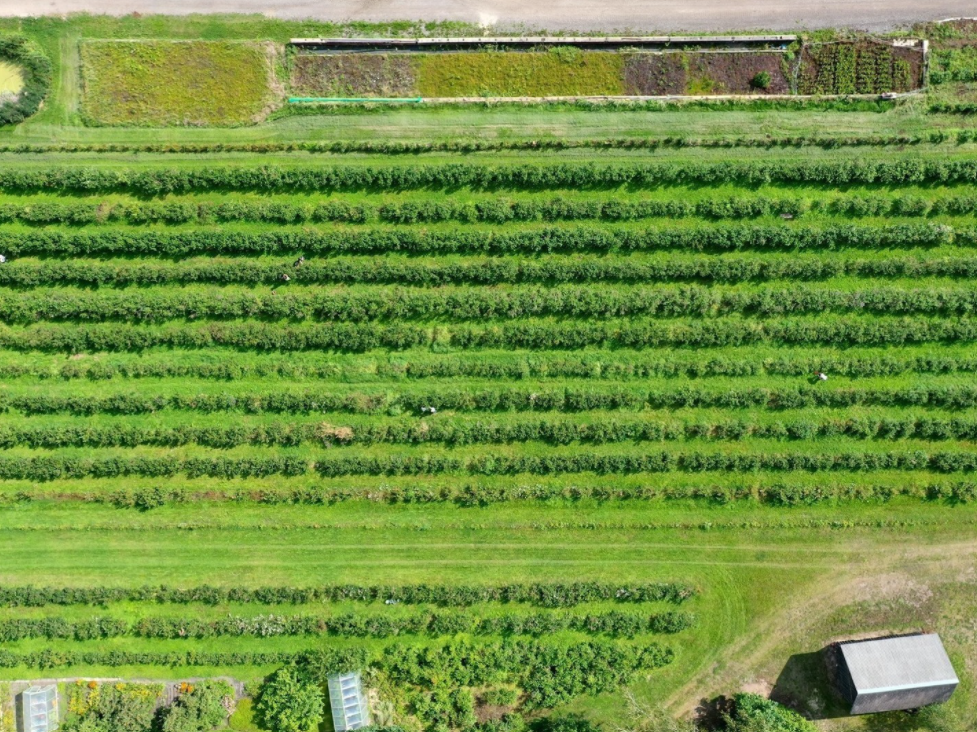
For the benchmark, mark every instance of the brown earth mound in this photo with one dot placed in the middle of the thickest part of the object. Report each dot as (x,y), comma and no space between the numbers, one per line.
(649,74)
(353,75)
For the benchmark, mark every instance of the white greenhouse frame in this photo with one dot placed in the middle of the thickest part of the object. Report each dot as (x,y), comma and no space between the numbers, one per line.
(350,710)
(40,708)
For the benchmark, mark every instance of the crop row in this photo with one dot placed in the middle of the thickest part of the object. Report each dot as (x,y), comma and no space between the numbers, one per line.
(495,210)
(609,365)
(532,335)
(348,625)
(55,658)
(544,594)
(58,467)
(549,673)
(538,399)
(761,489)
(556,269)
(156,181)
(458,433)
(463,304)
(529,240)
(470,145)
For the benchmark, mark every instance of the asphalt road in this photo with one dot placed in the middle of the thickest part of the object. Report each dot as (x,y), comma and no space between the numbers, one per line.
(647,15)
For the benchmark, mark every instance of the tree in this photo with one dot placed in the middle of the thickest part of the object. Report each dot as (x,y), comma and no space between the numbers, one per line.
(289,702)
(753,713)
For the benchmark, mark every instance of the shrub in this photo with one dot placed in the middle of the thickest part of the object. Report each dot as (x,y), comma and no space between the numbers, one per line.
(761,80)
(288,702)
(753,713)
(37,73)
(199,707)
(544,594)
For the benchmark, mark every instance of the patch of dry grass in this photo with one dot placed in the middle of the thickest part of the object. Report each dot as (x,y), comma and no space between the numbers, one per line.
(166,83)
(557,72)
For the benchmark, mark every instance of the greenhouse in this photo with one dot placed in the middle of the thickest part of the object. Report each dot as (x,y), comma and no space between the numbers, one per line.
(40,708)
(349,706)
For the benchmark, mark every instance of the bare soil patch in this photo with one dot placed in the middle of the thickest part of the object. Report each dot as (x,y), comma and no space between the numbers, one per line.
(703,73)
(360,75)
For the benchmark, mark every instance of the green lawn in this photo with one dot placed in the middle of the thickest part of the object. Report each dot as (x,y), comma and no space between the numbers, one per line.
(764,594)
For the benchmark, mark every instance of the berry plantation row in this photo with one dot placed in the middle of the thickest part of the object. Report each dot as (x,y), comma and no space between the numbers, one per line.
(635,331)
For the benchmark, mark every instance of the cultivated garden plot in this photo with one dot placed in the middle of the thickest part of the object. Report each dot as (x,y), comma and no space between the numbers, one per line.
(865,67)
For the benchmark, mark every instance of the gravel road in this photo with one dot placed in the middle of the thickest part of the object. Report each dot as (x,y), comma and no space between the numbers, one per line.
(647,15)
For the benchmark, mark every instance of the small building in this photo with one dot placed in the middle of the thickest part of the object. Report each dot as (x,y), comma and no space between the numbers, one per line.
(899,672)
(39,706)
(350,710)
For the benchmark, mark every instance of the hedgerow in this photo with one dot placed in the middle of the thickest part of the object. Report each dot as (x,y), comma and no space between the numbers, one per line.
(51,658)
(518,334)
(153,182)
(481,271)
(467,399)
(619,366)
(531,240)
(777,492)
(467,304)
(347,625)
(544,594)
(648,462)
(457,433)
(54,467)
(389,147)
(57,467)
(493,211)
(496,210)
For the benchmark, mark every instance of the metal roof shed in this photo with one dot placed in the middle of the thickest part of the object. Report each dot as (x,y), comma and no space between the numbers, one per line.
(349,706)
(40,708)
(901,672)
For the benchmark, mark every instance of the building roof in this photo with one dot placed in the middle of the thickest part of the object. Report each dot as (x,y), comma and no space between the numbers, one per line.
(899,663)
(349,706)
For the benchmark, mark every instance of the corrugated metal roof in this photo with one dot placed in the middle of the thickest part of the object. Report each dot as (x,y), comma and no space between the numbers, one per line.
(893,664)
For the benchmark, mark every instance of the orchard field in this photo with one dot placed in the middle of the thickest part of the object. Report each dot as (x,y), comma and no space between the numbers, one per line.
(514,408)
(223,375)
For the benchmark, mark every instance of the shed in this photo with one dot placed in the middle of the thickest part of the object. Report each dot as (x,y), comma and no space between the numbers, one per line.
(899,672)
(39,705)
(350,710)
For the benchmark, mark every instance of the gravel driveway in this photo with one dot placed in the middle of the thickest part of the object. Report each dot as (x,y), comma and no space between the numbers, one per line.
(648,15)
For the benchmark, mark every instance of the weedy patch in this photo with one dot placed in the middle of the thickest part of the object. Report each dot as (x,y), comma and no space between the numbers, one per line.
(170,83)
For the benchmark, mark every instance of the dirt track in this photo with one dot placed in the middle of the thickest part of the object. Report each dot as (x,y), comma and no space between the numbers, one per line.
(647,15)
